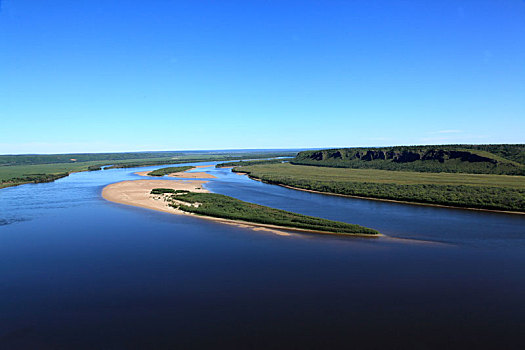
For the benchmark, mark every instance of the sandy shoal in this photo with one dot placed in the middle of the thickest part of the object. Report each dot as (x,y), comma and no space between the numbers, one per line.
(196,175)
(185,174)
(137,192)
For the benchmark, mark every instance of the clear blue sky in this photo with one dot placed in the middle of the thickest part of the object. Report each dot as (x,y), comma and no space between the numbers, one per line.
(104,75)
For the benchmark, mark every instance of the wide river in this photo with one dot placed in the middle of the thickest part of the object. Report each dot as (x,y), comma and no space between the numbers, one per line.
(77,271)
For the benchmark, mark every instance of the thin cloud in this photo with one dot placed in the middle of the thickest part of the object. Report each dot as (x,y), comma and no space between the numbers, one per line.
(452,131)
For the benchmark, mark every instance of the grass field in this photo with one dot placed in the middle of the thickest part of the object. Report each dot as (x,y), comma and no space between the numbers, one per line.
(383,176)
(501,192)
(220,206)
(20,174)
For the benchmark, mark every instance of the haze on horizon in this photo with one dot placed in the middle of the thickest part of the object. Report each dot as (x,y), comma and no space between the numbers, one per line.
(101,76)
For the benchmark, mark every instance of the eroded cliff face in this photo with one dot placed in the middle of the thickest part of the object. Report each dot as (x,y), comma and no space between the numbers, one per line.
(398,156)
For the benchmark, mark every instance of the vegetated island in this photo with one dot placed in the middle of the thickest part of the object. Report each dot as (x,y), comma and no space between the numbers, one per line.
(178,171)
(169,170)
(190,198)
(332,172)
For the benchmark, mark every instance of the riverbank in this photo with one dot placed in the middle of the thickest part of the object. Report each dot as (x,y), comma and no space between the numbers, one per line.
(388,200)
(395,201)
(138,193)
(492,193)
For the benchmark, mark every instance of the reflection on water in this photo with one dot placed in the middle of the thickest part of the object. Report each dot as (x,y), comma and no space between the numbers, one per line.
(77,271)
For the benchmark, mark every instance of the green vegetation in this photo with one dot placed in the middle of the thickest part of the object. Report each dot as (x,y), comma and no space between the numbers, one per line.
(474,159)
(32,159)
(497,192)
(22,174)
(167,190)
(94,167)
(32,178)
(220,206)
(515,152)
(252,162)
(21,169)
(169,170)
(112,158)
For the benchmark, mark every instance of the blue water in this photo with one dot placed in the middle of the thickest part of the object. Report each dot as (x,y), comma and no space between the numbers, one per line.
(77,271)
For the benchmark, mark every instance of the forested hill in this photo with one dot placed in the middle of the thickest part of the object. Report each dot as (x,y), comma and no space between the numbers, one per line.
(514,152)
(476,159)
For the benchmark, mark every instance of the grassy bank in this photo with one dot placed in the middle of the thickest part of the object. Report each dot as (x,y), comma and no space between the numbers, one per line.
(220,206)
(496,192)
(169,170)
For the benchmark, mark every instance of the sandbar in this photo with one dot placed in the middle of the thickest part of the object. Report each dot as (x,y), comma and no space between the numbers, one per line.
(137,193)
(196,175)
(184,174)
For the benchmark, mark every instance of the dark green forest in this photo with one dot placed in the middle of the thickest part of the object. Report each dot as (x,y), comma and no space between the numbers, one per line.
(474,159)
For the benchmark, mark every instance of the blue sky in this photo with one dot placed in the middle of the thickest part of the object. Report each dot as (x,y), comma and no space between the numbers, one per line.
(103,75)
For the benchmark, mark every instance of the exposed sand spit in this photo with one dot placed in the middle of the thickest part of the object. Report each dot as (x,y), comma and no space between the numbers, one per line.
(185,174)
(196,175)
(137,192)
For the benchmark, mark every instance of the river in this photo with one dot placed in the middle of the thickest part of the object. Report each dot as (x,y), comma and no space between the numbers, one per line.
(77,271)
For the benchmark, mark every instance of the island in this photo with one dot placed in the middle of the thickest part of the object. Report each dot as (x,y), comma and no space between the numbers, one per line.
(188,197)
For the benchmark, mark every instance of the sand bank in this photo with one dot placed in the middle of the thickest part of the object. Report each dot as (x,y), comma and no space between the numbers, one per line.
(185,174)
(196,175)
(137,193)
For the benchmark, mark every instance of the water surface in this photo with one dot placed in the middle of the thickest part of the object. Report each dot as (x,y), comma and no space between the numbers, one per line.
(77,271)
